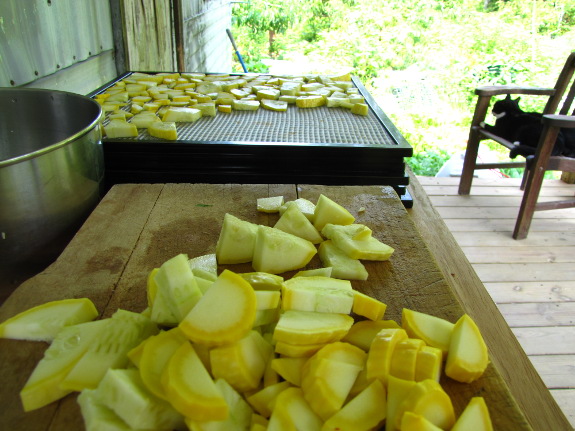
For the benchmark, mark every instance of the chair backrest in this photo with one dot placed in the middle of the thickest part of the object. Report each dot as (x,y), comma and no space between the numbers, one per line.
(563,82)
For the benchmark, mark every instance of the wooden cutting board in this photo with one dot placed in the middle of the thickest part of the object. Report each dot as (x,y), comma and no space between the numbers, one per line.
(138,227)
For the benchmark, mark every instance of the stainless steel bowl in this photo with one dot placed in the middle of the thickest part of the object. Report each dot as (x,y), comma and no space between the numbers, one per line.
(51,172)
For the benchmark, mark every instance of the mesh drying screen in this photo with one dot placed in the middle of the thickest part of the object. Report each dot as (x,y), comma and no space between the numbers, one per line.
(314,125)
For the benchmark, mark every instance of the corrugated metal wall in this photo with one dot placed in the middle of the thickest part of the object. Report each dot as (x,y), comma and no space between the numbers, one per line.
(39,38)
(79,45)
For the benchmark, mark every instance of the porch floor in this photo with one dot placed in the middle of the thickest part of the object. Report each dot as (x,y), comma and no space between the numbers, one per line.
(532,281)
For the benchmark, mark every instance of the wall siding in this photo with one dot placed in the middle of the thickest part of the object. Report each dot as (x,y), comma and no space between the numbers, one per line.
(39,39)
(206,47)
(148,35)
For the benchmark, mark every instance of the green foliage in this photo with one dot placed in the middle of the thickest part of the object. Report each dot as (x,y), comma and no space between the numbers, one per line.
(320,19)
(421,59)
(261,16)
(428,162)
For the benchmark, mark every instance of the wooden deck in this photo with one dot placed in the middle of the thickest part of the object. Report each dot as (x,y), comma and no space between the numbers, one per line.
(532,281)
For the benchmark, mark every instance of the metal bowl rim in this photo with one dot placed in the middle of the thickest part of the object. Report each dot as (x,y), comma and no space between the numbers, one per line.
(60,144)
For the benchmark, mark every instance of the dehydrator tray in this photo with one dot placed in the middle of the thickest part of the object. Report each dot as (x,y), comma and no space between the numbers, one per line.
(302,145)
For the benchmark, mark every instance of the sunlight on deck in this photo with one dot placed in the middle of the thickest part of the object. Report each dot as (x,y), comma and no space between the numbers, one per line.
(532,281)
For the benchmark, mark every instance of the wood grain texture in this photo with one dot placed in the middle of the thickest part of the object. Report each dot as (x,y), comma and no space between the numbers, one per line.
(136,228)
(91,266)
(147,28)
(506,352)
(530,280)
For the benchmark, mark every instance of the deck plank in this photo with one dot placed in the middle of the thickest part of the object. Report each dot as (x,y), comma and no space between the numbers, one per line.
(556,370)
(539,314)
(566,400)
(505,225)
(543,254)
(532,281)
(518,291)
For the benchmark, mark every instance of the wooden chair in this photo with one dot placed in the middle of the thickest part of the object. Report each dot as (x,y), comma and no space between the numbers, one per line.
(542,161)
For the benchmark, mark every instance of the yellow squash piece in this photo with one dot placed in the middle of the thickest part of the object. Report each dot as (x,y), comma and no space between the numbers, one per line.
(467,358)
(289,368)
(178,114)
(269,205)
(309,327)
(381,351)
(474,417)
(151,287)
(356,241)
(123,392)
(109,349)
(342,352)
(328,211)
(96,415)
(274,105)
(176,281)
(205,266)
(236,241)
(163,130)
(269,94)
(246,105)
(67,348)
(404,358)
(312,101)
(305,206)
(362,333)
(267,299)
(233,300)
(433,330)
(297,350)
(428,364)
(397,390)
(264,400)
(266,317)
(156,354)
(135,354)
(43,322)
(239,417)
(367,306)
(225,108)
(263,280)
(359,108)
(208,109)
(338,102)
(324,393)
(428,399)
(242,364)
(190,388)
(321,294)
(365,411)
(293,412)
(276,251)
(318,272)
(342,265)
(144,120)
(120,129)
(295,222)
(414,422)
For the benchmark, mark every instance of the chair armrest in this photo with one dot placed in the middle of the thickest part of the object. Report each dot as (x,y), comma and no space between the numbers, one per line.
(566,121)
(495,90)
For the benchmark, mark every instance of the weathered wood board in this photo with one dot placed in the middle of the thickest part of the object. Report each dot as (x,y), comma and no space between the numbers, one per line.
(137,227)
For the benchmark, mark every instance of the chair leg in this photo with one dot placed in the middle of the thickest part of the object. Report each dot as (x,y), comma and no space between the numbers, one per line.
(469,163)
(473,145)
(534,182)
(528,166)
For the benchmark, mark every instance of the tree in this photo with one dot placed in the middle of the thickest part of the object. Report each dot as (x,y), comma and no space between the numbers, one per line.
(261,16)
